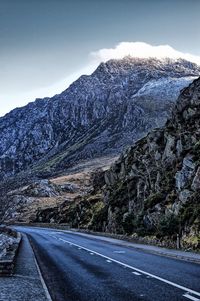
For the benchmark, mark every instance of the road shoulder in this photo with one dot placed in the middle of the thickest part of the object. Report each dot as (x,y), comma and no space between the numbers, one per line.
(26,283)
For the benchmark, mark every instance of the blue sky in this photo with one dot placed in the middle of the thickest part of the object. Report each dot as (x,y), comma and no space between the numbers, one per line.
(46,44)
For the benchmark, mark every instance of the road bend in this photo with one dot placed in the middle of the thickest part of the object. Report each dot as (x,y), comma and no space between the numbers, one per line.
(82,268)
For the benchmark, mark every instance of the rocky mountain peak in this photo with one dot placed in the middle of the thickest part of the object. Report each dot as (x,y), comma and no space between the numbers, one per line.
(98,114)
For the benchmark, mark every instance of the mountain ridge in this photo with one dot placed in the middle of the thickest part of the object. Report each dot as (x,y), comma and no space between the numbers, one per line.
(151,191)
(102,111)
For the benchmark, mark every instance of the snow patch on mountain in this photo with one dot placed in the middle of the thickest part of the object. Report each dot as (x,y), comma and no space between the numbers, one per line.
(164,88)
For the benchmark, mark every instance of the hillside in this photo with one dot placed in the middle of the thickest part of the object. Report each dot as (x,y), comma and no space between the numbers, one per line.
(97,115)
(152,190)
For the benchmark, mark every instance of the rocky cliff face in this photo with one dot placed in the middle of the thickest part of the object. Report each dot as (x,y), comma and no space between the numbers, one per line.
(153,188)
(97,115)
(152,191)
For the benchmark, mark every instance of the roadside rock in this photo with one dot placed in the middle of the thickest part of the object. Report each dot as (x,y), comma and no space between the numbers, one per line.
(42,188)
(184,175)
(196,180)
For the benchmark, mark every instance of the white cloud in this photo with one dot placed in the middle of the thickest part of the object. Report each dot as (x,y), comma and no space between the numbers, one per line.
(141,50)
(134,49)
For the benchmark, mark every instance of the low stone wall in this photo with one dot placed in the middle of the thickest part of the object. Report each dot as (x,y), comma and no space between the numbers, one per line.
(167,242)
(141,240)
(148,240)
(8,252)
(45,225)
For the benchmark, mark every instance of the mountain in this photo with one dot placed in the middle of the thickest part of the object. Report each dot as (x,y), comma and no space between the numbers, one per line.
(97,115)
(152,191)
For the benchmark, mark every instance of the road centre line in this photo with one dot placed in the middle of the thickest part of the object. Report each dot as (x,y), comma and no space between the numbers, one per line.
(191,297)
(136,273)
(185,289)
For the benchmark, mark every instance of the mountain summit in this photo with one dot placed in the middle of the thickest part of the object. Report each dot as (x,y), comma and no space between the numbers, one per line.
(97,115)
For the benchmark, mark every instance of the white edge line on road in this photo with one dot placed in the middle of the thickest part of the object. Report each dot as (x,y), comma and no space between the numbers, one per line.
(191,297)
(185,289)
(43,282)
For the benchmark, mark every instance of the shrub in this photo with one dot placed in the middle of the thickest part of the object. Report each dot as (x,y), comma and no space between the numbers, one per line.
(168,225)
(128,223)
(99,217)
(190,211)
(152,200)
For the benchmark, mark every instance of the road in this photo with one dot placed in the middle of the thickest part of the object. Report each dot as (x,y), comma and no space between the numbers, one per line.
(79,268)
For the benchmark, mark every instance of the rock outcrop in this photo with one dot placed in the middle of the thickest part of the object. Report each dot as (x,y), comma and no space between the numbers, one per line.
(97,115)
(153,188)
(8,237)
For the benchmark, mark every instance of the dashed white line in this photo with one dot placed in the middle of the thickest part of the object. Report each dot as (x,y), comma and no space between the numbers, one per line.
(109,261)
(136,273)
(119,252)
(185,289)
(191,297)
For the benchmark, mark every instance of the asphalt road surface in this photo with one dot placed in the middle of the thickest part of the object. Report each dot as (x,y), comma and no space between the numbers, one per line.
(79,268)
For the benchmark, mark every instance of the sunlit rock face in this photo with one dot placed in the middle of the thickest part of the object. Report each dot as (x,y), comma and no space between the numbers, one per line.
(97,115)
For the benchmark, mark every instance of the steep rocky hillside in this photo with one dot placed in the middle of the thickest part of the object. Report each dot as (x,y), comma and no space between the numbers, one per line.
(154,186)
(97,115)
(152,190)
